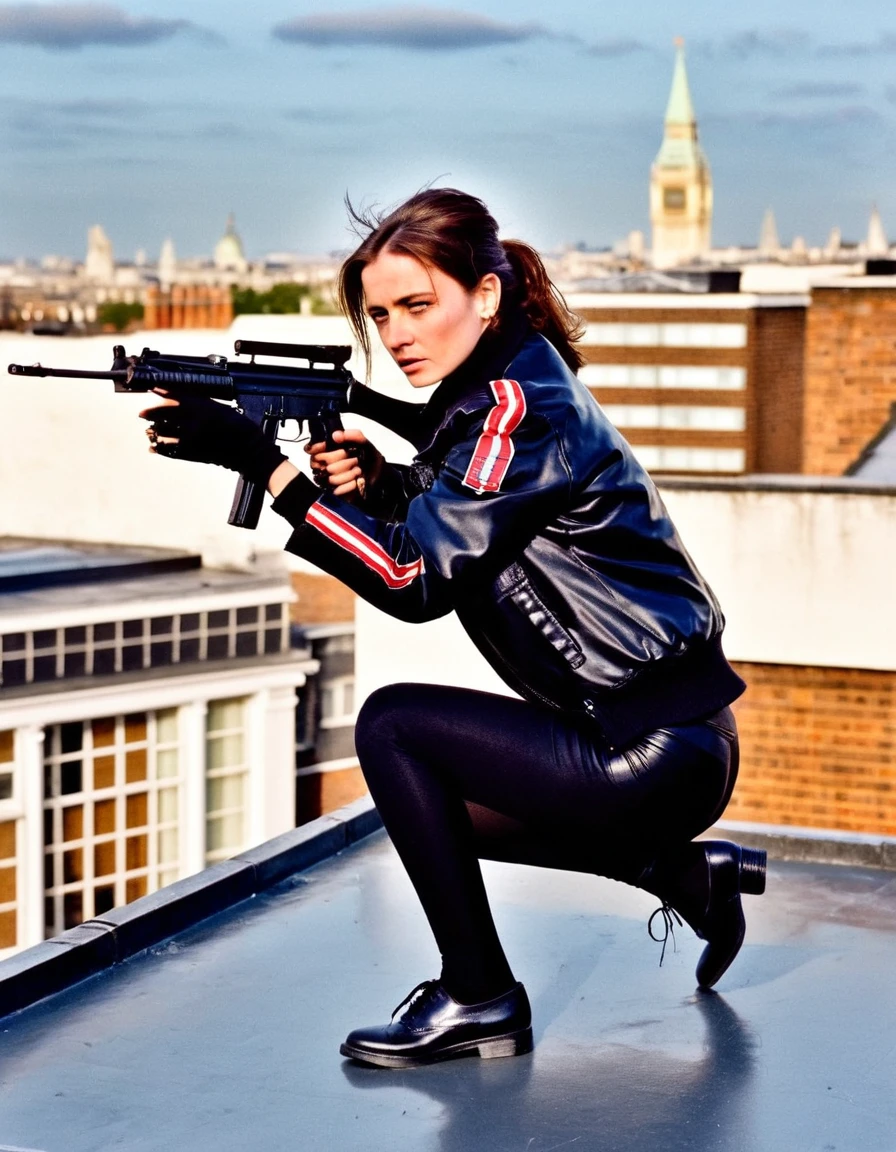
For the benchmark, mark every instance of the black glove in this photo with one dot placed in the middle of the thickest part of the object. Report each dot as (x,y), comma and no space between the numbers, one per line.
(213,433)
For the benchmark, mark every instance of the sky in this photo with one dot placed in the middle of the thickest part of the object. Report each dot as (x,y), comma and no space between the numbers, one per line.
(156,124)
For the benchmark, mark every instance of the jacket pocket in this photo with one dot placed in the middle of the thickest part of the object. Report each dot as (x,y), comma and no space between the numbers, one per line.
(513,584)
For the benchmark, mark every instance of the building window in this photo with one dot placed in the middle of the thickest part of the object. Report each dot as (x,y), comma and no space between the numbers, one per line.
(645,335)
(674,199)
(226,779)
(702,418)
(307,705)
(703,335)
(659,458)
(337,702)
(115,646)
(112,796)
(663,376)
(8,907)
(6,765)
(8,864)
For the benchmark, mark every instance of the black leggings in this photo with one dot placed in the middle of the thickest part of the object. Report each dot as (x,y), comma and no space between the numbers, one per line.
(460,776)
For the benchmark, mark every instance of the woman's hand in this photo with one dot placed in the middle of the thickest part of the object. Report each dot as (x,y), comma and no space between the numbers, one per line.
(348,469)
(194,428)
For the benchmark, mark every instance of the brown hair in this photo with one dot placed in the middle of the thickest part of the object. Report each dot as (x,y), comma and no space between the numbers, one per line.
(456,233)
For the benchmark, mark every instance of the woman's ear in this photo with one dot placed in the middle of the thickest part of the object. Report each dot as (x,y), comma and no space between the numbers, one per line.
(488,296)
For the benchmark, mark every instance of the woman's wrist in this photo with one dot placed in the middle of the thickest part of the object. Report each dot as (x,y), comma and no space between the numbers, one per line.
(282,475)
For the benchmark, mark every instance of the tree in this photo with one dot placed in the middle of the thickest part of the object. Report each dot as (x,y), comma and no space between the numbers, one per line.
(118,315)
(281,299)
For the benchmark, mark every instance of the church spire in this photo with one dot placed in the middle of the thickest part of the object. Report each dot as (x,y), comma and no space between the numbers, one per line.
(769,241)
(876,241)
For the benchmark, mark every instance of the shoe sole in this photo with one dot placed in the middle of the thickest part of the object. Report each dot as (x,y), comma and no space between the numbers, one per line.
(496,1047)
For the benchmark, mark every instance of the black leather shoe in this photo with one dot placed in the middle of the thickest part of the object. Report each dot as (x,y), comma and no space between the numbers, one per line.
(429,1025)
(733,871)
(712,905)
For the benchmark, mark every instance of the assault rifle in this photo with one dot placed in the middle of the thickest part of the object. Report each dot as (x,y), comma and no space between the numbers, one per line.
(268,394)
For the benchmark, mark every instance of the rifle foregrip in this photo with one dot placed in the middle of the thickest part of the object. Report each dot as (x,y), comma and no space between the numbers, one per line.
(216,385)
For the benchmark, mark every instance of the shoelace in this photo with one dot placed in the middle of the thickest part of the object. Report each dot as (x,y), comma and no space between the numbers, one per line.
(670,917)
(423,987)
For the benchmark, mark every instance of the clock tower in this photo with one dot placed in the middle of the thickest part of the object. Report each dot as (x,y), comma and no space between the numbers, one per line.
(680,181)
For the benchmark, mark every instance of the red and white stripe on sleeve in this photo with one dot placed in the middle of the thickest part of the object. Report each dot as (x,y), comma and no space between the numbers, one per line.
(494,449)
(353,540)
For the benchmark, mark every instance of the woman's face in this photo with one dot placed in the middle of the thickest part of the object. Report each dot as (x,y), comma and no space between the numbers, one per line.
(426,319)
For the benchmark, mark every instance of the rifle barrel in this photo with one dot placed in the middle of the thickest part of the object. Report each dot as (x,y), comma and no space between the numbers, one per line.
(39,370)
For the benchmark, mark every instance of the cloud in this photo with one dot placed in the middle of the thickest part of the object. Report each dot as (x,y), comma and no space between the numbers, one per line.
(820,89)
(621,47)
(759,42)
(414,28)
(801,122)
(884,45)
(325,116)
(49,124)
(846,115)
(65,27)
(98,109)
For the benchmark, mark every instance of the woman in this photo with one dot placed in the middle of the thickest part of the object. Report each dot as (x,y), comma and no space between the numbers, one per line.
(526,513)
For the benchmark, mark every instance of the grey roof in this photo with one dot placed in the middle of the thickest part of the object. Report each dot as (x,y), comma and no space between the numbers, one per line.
(28,564)
(877,463)
(226,1037)
(39,576)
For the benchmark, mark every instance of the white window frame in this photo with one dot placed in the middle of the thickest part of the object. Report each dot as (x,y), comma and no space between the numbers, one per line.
(341,718)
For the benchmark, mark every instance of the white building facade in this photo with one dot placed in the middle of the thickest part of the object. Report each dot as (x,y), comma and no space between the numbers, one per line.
(147,727)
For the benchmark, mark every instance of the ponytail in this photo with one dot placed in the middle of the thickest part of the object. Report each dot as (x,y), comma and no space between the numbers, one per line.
(542,303)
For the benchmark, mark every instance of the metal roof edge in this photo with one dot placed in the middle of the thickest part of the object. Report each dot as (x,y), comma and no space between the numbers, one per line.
(99,944)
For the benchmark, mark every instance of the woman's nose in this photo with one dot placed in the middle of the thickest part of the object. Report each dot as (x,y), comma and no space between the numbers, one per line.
(399,335)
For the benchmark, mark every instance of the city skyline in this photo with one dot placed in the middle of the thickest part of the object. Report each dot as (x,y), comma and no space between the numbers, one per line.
(156,126)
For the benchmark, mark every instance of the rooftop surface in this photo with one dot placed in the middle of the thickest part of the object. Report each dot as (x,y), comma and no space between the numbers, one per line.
(226,1037)
(38,578)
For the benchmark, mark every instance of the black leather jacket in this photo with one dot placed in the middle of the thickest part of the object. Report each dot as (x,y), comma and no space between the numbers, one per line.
(526,513)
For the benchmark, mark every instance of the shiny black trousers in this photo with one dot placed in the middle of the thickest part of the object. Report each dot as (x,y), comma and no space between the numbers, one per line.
(460,776)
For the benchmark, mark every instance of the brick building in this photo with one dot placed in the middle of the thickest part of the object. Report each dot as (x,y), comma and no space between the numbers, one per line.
(850,373)
(187,306)
(707,383)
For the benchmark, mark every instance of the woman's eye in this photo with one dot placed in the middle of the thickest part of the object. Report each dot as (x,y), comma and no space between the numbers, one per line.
(418,306)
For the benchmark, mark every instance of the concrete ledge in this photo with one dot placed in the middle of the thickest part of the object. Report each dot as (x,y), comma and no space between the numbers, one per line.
(812,845)
(98,944)
(161,914)
(299,848)
(53,965)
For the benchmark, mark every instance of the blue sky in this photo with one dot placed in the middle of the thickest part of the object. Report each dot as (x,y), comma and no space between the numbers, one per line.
(158,124)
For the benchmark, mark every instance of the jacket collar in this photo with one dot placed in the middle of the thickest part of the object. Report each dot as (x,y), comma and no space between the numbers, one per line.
(464,388)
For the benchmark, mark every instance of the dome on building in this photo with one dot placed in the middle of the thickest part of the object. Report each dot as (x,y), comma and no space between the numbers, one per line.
(229,255)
